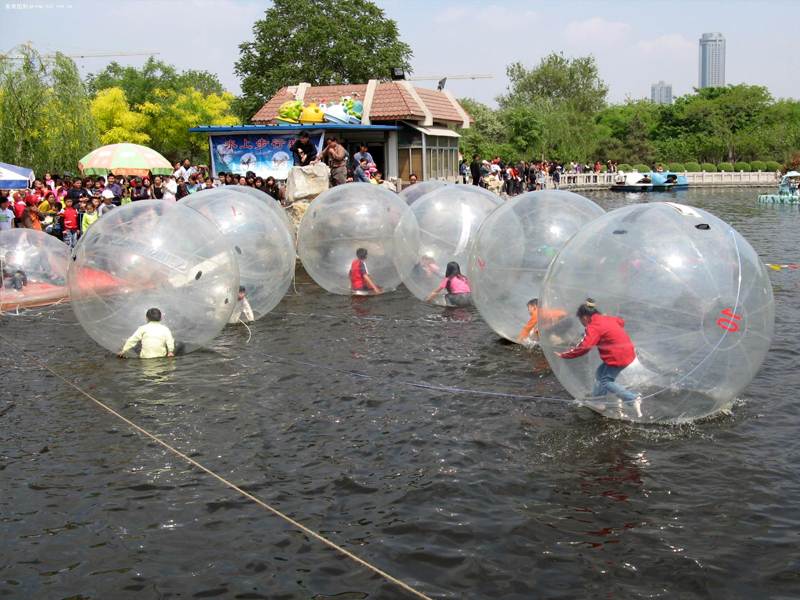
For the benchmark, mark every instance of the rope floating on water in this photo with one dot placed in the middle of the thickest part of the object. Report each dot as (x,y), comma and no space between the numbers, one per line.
(221,479)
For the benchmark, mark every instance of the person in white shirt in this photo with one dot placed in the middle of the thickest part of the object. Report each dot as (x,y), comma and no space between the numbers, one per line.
(6,214)
(156,339)
(169,188)
(242,308)
(186,170)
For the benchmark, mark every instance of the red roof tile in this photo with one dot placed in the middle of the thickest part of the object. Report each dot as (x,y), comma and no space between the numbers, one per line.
(391,102)
(440,106)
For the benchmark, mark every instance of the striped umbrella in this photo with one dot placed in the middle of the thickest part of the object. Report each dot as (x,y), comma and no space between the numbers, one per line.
(124,159)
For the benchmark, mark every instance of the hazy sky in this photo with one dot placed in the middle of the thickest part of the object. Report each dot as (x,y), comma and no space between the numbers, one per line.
(636,42)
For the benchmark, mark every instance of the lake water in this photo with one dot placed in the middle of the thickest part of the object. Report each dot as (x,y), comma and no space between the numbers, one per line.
(457,494)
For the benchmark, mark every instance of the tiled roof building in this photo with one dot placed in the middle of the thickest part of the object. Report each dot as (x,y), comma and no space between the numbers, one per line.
(393,101)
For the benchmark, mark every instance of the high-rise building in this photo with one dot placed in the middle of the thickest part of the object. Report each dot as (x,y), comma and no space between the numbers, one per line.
(712,60)
(661,93)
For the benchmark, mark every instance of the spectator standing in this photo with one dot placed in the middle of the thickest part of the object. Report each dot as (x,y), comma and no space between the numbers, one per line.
(46,205)
(183,189)
(475,170)
(31,217)
(185,170)
(69,223)
(108,203)
(115,188)
(77,192)
(89,217)
(139,191)
(6,214)
(157,189)
(485,171)
(335,156)
(362,152)
(169,188)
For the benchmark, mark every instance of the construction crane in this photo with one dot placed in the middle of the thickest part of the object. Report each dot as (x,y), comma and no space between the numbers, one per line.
(82,55)
(432,77)
(443,79)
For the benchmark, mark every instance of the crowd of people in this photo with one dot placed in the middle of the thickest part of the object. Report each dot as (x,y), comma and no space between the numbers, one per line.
(66,206)
(362,168)
(514,178)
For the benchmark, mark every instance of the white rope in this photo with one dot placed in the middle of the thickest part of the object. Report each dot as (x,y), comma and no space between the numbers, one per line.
(233,486)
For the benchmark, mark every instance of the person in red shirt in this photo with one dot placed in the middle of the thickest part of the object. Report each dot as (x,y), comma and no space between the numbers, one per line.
(69,223)
(360,280)
(616,350)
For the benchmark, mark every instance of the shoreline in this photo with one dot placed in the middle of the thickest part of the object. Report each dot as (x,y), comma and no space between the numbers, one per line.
(716,184)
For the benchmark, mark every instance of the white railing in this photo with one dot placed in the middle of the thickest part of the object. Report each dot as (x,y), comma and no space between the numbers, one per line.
(579,180)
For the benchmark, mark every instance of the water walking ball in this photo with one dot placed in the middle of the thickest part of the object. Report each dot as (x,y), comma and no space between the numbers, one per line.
(414,192)
(153,254)
(513,249)
(342,220)
(439,228)
(34,266)
(273,204)
(264,249)
(695,298)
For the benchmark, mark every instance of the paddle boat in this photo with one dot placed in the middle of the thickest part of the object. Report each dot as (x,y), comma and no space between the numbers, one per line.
(649,182)
(788,191)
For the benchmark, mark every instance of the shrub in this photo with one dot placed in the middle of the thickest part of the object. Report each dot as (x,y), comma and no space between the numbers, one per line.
(772,165)
(742,166)
(692,167)
(677,167)
(708,168)
(603,169)
(757,165)
(625,167)
(642,168)
(794,163)
(725,167)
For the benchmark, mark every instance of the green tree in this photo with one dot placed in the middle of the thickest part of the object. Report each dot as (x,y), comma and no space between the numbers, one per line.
(45,118)
(69,125)
(321,42)
(565,95)
(637,143)
(175,112)
(572,82)
(140,85)
(116,122)
(486,136)
(523,129)
(730,113)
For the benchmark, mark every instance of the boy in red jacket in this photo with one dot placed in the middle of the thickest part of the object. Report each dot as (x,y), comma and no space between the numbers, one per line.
(69,223)
(615,348)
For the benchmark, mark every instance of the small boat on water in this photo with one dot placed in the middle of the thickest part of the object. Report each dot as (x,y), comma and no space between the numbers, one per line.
(788,191)
(649,182)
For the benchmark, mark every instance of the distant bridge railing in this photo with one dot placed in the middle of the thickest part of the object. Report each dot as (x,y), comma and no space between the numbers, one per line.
(584,180)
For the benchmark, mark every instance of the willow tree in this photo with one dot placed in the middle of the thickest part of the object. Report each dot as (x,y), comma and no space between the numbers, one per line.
(565,95)
(45,116)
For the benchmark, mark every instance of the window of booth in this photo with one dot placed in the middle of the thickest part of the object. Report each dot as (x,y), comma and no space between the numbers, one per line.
(441,153)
